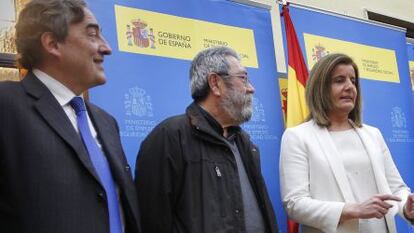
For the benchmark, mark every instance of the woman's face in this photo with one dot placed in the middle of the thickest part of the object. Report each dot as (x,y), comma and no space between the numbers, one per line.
(343,89)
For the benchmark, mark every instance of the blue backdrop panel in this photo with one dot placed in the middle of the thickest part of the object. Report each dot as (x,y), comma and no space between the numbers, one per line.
(387,106)
(142,90)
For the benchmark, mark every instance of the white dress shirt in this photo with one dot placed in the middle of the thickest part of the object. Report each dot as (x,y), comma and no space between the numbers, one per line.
(63,95)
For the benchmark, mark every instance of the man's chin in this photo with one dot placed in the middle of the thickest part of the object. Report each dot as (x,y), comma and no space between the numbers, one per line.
(100,80)
(96,82)
(246,116)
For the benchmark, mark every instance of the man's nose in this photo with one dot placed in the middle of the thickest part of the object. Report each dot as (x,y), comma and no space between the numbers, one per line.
(105,48)
(250,88)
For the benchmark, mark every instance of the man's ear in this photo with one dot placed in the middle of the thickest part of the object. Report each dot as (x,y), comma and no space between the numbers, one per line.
(50,44)
(213,82)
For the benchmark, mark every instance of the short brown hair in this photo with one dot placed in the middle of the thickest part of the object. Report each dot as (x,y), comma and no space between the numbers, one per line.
(40,16)
(318,89)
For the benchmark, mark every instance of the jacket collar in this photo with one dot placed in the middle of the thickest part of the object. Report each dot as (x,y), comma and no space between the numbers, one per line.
(203,122)
(53,114)
(331,153)
(332,156)
(382,184)
(214,124)
(51,111)
(372,150)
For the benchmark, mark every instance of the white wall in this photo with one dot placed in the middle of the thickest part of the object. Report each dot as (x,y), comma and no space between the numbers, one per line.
(399,9)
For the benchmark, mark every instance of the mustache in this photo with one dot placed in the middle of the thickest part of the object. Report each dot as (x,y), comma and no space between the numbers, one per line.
(248,99)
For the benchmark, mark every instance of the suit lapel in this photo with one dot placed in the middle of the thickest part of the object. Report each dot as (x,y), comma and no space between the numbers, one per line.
(108,140)
(51,111)
(108,137)
(331,153)
(53,114)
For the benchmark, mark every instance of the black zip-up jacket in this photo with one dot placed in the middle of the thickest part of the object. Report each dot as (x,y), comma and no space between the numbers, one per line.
(187,178)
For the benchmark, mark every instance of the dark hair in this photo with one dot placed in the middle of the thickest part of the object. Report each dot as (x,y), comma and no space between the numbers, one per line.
(318,89)
(40,16)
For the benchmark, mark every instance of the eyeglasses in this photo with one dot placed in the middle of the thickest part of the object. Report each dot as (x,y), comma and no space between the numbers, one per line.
(244,78)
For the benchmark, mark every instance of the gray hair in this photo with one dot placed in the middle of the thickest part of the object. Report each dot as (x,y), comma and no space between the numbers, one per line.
(211,60)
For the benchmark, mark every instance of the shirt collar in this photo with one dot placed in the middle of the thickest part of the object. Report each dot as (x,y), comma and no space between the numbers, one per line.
(62,94)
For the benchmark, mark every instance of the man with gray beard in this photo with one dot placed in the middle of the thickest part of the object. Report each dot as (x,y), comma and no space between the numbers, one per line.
(199,172)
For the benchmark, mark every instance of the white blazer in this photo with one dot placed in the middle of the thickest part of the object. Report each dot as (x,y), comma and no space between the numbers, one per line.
(314,185)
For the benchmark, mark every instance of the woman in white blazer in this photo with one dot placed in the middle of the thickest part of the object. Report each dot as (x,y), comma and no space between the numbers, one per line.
(337,174)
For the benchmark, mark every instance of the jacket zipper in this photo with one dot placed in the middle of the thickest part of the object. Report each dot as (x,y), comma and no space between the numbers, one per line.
(218,172)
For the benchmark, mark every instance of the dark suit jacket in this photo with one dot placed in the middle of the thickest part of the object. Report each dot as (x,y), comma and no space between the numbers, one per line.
(47,181)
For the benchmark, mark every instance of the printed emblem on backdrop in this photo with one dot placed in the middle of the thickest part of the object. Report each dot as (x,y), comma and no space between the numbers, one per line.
(283,92)
(140,34)
(137,103)
(258,111)
(412,76)
(319,52)
(152,33)
(374,63)
(257,127)
(399,126)
(283,88)
(398,118)
(411,65)
(138,113)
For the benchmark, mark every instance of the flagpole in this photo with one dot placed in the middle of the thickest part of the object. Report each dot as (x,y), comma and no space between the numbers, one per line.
(282,2)
(297,77)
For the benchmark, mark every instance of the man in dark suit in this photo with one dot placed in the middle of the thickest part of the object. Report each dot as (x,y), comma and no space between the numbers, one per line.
(62,167)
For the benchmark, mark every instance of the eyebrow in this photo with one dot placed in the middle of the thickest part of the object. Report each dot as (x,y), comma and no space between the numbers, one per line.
(93,25)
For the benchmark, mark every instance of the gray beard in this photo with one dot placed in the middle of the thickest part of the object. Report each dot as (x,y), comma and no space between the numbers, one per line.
(238,106)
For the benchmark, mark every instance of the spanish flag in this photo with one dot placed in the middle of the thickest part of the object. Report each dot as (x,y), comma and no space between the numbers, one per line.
(297,110)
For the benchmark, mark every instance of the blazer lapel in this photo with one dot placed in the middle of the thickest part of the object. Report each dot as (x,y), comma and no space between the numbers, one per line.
(373,153)
(328,148)
(380,180)
(51,111)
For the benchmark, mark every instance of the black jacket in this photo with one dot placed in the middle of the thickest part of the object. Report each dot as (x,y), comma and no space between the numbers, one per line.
(187,179)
